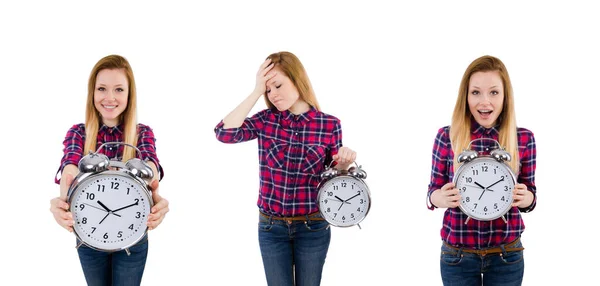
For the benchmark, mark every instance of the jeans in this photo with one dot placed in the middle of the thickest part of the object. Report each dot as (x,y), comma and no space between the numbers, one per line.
(116,268)
(293,254)
(460,268)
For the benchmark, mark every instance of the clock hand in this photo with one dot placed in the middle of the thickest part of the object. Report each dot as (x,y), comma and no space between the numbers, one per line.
(105,207)
(104,218)
(134,204)
(351,198)
(94,207)
(341,200)
(495,183)
(480,185)
(481,194)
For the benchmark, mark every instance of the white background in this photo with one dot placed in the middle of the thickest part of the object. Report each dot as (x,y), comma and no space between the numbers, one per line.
(390,73)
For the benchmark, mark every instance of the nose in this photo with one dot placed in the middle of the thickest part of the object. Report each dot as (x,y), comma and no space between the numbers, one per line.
(111,95)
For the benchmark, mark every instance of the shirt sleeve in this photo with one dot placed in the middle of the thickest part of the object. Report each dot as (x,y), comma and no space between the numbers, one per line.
(73,151)
(441,155)
(336,142)
(248,131)
(527,172)
(147,145)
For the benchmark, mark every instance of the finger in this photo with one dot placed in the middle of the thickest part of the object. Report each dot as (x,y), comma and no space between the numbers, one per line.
(448,186)
(265,63)
(163,203)
(154,185)
(266,69)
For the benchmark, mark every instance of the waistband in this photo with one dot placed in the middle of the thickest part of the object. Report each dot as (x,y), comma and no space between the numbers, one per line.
(290,219)
(499,249)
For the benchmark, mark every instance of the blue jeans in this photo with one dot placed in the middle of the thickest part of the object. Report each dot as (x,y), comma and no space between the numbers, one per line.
(465,269)
(299,247)
(104,269)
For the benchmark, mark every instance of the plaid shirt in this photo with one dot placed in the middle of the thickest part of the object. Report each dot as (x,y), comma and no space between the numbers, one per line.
(75,141)
(481,234)
(293,151)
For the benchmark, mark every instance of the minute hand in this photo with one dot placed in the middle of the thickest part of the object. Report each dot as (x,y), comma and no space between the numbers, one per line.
(134,204)
(495,183)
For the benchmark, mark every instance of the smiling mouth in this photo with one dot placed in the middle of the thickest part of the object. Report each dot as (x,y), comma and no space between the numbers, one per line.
(109,106)
(485,111)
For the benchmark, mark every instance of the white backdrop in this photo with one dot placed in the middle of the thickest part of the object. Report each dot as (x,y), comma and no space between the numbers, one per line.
(390,73)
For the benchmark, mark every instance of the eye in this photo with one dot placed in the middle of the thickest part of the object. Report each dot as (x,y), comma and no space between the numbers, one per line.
(495,92)
(120,89)
(268,91)
(475,92)
(278,86)
(101,89)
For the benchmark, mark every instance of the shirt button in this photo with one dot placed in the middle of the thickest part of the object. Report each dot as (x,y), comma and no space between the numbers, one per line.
(296,133)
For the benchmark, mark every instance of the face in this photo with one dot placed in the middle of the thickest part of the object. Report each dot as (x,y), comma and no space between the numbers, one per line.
(110,95)
(283,94)
(486,97)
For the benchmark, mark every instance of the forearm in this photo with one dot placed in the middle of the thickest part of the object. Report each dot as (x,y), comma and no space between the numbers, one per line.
(68,170)
(236,117)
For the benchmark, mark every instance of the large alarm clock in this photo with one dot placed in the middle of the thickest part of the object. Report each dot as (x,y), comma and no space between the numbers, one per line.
(110,201)
(344,197)
(485,183)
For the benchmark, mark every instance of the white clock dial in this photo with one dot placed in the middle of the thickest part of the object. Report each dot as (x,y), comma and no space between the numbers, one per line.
(344,201)
(110,211)
(485,187)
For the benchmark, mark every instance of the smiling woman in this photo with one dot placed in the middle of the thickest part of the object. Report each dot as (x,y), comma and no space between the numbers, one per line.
(110,117)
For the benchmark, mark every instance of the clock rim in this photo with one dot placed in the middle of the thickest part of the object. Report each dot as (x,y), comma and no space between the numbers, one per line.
(320,188)
(84,177)
(488,159)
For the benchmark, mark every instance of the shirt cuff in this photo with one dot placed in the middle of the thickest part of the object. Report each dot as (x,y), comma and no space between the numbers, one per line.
(532,206)
(430,205)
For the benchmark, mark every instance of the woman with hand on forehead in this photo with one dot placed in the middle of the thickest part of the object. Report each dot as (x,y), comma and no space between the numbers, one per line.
(473,251)
(296,142)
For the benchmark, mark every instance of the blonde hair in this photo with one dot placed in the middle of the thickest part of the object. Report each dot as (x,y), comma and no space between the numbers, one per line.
(291,66)
(129,115)
(460,130)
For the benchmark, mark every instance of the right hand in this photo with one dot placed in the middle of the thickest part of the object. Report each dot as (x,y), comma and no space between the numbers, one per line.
(263,75)
(446,197)
(59,208)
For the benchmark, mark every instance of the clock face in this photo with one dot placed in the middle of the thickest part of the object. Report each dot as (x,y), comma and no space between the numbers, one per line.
(344,201)
(485,186)
(110,210)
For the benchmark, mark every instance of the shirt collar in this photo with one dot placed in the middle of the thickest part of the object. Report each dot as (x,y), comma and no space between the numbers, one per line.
(303,117)
(480,130)
(112,130)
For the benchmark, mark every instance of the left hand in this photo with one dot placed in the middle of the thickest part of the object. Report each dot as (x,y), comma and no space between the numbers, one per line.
(522,197)
(344,158)
(160,208)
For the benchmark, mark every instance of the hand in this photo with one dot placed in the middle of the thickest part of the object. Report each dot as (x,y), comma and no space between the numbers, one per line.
(522,197)
(60,208)
(160,208)
(344,157)
(446,197)
(263,75)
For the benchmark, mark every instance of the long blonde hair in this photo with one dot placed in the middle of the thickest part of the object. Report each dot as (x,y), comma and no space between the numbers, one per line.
(291,66)
(460,130)
(129,115)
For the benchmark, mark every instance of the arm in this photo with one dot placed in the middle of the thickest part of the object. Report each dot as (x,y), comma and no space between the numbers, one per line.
(343,156)
(441,193)
(525,193)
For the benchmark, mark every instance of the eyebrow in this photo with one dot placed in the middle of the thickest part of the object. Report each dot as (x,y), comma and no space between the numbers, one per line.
(474,86)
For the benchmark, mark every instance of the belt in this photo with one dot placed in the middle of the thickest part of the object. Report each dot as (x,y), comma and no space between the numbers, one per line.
(290,219)
(499,249)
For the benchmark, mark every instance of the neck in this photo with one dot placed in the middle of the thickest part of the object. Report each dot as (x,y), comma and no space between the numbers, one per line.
(299,107)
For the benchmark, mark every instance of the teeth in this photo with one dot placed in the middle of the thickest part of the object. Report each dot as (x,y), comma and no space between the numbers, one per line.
(485,111)
(109,106)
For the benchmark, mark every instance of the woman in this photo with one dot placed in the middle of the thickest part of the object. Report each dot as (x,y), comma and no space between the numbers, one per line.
(296,142)
(488,252)
(110,116)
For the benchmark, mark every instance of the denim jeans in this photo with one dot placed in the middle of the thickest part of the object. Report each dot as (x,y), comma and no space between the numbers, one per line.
(293,254)
(465,269)
(116,268)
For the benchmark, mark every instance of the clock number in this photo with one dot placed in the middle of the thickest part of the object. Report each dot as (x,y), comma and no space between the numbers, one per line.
(330,194)
(138,215)
(84,220)
(468,199)
(81,206)
(119,234)
(100,188)
(501,177)
(484,168)
(114,185)
(494,171)
(464,189)
(502,199)
(334,215)
(505,188)
(343,218)
(105,235)
(128,191)
(328,210)
(335,188)
(352,215)
(137,201)
(495,206)
(485,209)
(475,172)
(475,205)
(361,201)
(343,185)
(131,226)
(326,201)
(352,186)
(358,209)
(93,229)
(469,180)
(90,196)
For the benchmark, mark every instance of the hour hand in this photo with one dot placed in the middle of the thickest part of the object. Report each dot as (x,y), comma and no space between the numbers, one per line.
(341,200)
(479,185)
(103,206)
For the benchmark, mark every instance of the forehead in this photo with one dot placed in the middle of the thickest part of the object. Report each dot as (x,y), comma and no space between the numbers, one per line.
(485,79)
(111,77)
(280,77)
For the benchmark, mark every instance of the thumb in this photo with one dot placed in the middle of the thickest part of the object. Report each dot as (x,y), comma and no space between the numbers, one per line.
(154,185)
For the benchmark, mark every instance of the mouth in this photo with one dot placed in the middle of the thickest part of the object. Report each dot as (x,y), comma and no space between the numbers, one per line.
(109,106)
(485,112)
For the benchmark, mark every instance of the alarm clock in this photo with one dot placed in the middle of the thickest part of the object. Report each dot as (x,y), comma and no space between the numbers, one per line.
(344,199)
(110,201)
(485,183)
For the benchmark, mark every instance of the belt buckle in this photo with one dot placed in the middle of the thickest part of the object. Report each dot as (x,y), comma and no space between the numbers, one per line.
(288,220)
